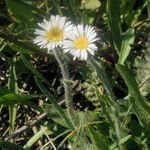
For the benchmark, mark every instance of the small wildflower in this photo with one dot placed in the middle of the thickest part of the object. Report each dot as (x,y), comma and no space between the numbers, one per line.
(52,33)
(80,41)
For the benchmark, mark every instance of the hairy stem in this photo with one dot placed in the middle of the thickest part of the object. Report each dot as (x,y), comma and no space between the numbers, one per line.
(67,85)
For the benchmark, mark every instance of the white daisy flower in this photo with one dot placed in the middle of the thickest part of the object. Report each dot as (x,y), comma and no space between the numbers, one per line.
(52,33)
(80,41)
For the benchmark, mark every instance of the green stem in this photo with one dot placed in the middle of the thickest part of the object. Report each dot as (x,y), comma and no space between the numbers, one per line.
(98,67)
(67,85)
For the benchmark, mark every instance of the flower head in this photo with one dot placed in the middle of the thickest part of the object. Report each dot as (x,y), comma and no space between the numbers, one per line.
(80,41)
(52,33)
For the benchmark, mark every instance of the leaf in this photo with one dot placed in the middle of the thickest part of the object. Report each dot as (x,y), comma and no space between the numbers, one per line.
(22,11)
(126,45)
(2,47)
(97,140)
(92,4)
(37,136)
(21,49)
(132,86)
(13,98)
(13,87)
(54,115)
(124,139)
(33,139)
(12,82)
(33,70)
(140,107)
(121,141)
(113,12)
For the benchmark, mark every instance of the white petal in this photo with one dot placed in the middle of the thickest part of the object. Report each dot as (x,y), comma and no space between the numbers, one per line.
(39,32)
(80,29)
(75,32)
(95,39)
(92,46)
(52,20)
(91,37)
(90,51)
(85,54)
(66,50)
(62,22)
(57,20)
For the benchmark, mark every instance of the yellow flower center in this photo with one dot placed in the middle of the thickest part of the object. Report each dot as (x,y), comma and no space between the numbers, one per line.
(55,34)
(81,43)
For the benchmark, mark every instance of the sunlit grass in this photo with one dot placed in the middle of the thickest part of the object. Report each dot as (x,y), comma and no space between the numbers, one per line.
(75,96)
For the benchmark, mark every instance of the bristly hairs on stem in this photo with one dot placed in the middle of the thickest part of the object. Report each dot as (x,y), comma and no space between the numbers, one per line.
(67,85)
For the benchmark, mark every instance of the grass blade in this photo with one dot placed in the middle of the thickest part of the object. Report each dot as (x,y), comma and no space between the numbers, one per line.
(98,142)
(132,86)
(12,86)
(126,45)
(140,107)
(113,12)
(22,11)
(13,98)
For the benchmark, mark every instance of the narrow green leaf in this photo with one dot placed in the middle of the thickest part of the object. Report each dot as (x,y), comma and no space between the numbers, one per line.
(54,115)
(22,11)
(127,41)
(36,136)
(113,12)
(21,49)
(2,47)
(132,85)
(33,70)
(13,98)
(121,141)
(33,139)
(13,87)
(124,139)
(140,107)
(12,83)
(97,140)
